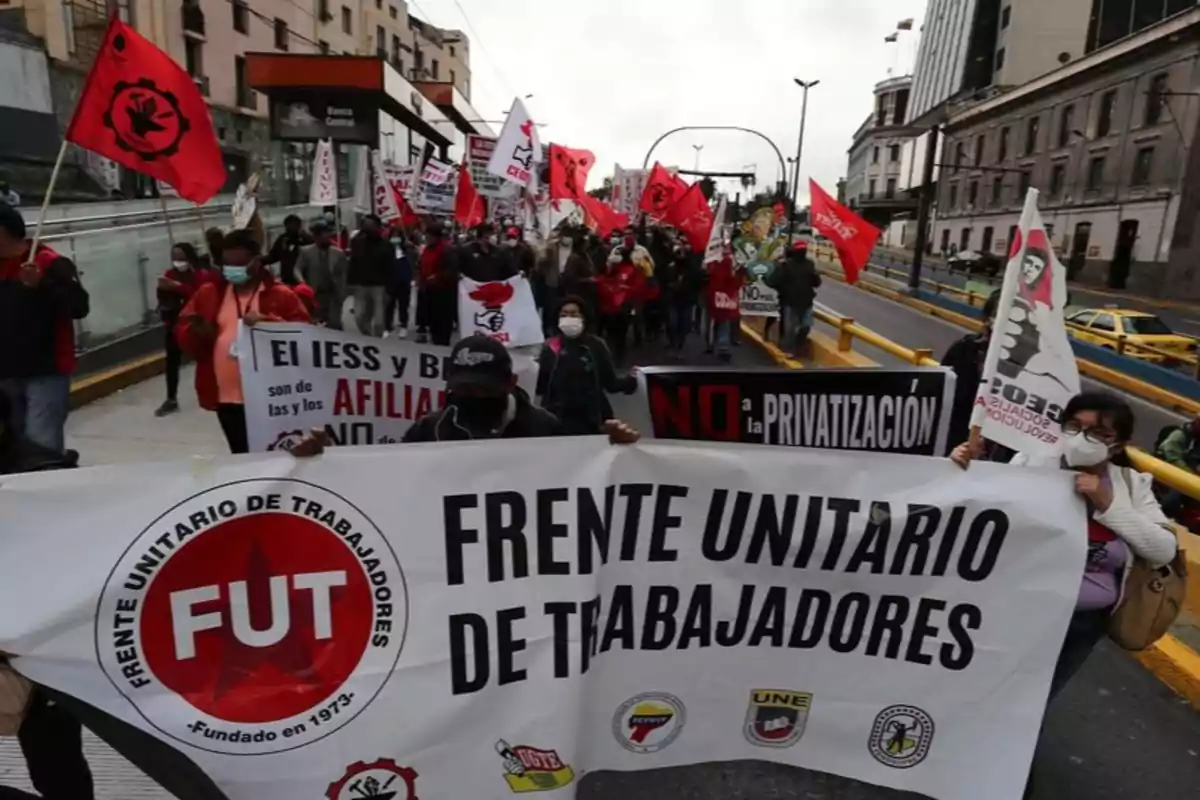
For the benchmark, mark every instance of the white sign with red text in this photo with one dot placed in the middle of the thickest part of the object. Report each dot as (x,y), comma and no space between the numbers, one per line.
(360,390)
(503,310)
(323,190)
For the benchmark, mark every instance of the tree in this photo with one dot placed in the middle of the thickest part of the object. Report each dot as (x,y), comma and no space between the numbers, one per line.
(604,192)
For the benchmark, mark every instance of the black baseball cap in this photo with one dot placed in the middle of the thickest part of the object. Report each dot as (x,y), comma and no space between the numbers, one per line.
(482,362)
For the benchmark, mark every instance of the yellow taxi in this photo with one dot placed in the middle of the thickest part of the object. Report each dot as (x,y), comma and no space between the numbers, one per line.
(1105,326)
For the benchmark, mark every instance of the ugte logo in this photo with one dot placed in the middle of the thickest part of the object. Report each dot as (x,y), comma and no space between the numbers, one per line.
(255,617)
(844,230)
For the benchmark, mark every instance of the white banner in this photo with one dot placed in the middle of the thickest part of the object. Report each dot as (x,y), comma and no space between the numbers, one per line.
(628,185)
(493,187)
(323,190)
(384,201)
(518,150)
(503,310)
(1030,371)
(486,618)
(360,389)
(437,173)
(758,300)
(364,201)
(714,250)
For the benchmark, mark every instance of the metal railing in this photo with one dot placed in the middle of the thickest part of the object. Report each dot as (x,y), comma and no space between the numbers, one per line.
(848,330)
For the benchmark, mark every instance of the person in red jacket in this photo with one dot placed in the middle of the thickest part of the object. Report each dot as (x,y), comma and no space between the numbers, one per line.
(40,299)
(438,286)
(724,301)
(175,288)
(619,290)
(246,293)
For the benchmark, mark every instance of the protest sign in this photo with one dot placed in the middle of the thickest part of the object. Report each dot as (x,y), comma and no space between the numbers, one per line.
(482,618)
(882,410)
(493,187)
(361,390)
(757,299)
(503,310)
(323,189)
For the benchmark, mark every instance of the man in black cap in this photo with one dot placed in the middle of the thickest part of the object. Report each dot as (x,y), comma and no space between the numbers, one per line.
(483,401)
(483,260)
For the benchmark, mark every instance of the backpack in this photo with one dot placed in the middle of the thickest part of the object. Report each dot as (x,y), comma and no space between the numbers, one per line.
(1165,432)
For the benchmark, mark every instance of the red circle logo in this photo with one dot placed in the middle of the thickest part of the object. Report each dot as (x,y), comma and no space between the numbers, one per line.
(255,617)
(242,622)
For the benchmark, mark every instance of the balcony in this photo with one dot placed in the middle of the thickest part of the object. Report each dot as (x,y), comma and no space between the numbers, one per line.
(193,19)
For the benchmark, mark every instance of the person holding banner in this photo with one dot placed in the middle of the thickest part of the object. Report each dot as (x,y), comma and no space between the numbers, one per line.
(576,373)
(246,293)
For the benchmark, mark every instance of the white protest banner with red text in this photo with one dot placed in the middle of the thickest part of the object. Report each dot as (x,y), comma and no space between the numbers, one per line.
(503,310)
(361,390)
(1029,373)
(518,150)
(478,619)
(383,196)
(323,190)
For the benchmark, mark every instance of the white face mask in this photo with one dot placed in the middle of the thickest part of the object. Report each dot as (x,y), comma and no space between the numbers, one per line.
(1079,451)
(181,265)
(571,327)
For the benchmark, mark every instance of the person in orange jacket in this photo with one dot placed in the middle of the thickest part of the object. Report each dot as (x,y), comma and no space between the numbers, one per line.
(246,293)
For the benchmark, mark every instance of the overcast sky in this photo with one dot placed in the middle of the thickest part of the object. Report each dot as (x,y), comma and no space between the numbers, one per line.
(613,75)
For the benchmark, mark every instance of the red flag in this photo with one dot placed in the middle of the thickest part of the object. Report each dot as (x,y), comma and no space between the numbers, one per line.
(692,215)
(468,204)
(662,191)
(605,217)
(140,109)
(852,236)
(569,171)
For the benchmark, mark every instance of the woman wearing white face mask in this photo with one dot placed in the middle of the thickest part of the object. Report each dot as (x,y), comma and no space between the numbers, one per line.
(576,374)
(1124,518)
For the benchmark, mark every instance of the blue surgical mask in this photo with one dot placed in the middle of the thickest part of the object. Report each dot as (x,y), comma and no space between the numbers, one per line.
(236,275)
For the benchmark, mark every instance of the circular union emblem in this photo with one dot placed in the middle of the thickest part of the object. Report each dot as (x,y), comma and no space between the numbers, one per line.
(254,617)
(146,120)
(380,780)
(647,723)
(901,736)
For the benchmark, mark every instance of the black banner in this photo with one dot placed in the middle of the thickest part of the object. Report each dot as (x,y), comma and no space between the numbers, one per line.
(881,410)
(312,116)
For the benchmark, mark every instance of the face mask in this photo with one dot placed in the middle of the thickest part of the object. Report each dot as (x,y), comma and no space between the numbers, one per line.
(236,275)
(490,240)
(181,265)
(571,327)
(1079,451)
(480,413)
(397,242)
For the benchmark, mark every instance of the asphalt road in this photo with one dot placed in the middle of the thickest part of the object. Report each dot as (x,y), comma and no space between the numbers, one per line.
(912,328)
(1115,733)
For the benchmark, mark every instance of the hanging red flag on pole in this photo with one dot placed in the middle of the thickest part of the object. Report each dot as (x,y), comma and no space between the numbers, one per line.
(140,109)
(662,191)
(852,236)
(605,218)
(693,217)
(569,172)
(468,203)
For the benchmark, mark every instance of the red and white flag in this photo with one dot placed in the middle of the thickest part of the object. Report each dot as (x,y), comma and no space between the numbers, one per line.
(518,150)
(384,202)
(852,236)
(323,191)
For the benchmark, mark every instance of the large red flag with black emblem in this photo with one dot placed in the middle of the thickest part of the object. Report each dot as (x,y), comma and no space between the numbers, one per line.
(852,236)
(662,191)
(140,109)
(568,172)
(693,217)
(604,217)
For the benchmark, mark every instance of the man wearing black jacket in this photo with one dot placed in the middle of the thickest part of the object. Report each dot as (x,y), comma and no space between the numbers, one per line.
(966,357)
(372,265)
(483,260)
(286,249)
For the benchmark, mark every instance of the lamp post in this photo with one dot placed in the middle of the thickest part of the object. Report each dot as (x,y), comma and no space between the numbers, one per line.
(799,151)
(697,148)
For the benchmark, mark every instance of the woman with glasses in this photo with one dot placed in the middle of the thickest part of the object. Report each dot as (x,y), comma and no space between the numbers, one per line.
(1124,517)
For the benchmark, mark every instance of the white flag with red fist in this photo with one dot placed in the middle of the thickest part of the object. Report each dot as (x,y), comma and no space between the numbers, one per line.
(1030,372)
(518,150)
(503,310)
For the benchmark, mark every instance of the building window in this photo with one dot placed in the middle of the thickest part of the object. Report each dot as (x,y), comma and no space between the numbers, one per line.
(964,240)
(953,196)
(875,155)
(453,77)
(1142,163)
(1058,177)
(1066,122)
(894,153)
(281,34)
(1095,175)
(997,190)
(323,46)
(986,244)
(433,68)
(1005,17)
(323,11)
(245,95)
(945,240)
(1000,59)
(380,41)
(392,12)
(379,4)
(1032,126)
(193,57)
(979,149)
(960,155)
(900,112)
(890,191)
(347,20)
(972,194)
(1023,187)
(241,17)
(396,47)
(1108,104)
(1002,152)
(1156,98)
(452,53)
(871,189)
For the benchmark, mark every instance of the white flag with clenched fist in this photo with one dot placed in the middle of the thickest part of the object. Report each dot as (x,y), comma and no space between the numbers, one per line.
(1029,373)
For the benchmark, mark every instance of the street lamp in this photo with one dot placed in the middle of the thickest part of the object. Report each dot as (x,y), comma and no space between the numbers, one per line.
(799,151)
(697,148)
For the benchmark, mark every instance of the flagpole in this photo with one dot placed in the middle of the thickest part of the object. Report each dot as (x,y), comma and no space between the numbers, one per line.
(162,201)
(37,231)
(203,224)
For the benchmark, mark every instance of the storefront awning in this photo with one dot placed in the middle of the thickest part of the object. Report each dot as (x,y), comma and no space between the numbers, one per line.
(454,105)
